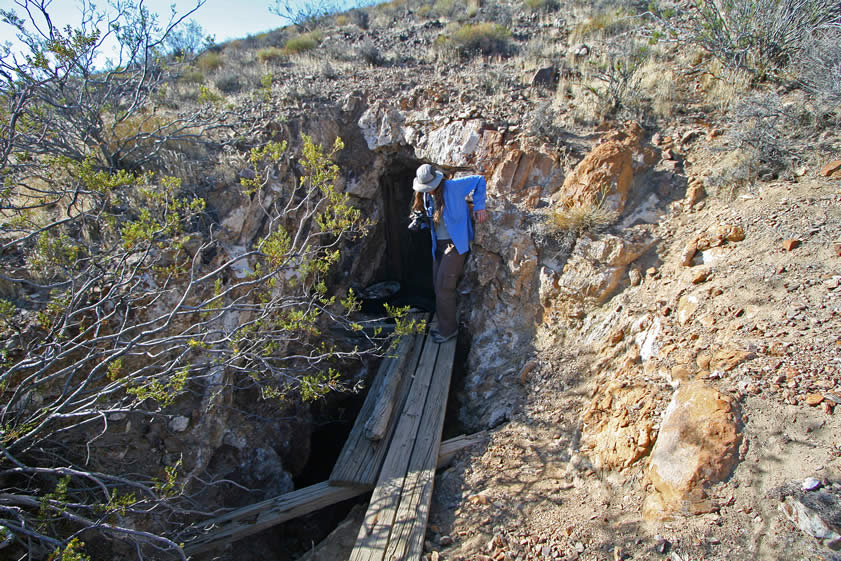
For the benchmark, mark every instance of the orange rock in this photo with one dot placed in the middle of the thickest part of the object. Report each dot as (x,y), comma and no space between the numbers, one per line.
(728,359)
(790,244)
(832,169)
(813,399)
(697,446)
(604,176)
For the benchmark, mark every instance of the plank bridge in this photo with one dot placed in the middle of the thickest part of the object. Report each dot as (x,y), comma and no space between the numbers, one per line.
(393,450)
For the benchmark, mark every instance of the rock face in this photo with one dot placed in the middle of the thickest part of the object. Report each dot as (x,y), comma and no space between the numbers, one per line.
(603,178)
(593,272)
(697,445)
(618,427)
(500,307)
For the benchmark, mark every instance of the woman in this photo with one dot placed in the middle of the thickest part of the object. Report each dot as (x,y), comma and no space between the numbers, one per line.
(444,202)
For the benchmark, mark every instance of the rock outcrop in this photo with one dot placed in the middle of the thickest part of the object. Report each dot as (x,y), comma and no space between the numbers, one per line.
(697,445)
(604,177)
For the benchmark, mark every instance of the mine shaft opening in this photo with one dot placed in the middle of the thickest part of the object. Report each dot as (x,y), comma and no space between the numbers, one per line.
(405,256)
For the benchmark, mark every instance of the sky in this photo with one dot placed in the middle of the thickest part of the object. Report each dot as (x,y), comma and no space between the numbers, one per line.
(225,19)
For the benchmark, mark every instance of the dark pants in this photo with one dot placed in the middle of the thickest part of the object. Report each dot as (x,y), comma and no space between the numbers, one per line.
(446,270)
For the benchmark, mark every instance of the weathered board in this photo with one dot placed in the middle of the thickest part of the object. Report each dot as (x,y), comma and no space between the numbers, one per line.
(257,517)
(361,458)
(395,522)
(251,519)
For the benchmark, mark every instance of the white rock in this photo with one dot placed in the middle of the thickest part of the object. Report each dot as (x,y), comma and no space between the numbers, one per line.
(179,423)
(810,484)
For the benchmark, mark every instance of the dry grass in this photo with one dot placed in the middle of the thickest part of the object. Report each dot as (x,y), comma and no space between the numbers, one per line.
(210,62)
(658,84)
(601,25)
(270,55)
(581,218)
(723,86)
(302,43)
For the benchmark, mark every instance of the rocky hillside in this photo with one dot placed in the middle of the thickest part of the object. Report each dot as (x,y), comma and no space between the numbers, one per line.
(651,317)
(650,320)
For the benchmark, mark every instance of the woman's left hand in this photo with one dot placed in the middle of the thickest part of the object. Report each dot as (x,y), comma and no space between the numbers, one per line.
(480,215)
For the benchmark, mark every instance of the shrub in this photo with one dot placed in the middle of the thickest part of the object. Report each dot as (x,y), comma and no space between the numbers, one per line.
(581,218)
(617,74)
(209,62)
(302,43)
(228,83)
(604,23)
(192,76)
(369,52)
(446,8)
(756,35)
(359,18)
(486,38)
(540,5)
(270,55)
(819,67)
(305,15)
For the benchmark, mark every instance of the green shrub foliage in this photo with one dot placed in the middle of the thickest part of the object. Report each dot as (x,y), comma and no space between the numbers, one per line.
(117,297)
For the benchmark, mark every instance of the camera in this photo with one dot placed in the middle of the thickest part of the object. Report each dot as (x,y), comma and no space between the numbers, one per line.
(418,221)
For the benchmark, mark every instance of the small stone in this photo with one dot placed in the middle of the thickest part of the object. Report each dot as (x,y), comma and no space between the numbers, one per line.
(810,484)
(791,244)
(446,541)
(813,399)
(662,546)
(701,276)
(635,276)
(688,253)
(478,499)
(735,234)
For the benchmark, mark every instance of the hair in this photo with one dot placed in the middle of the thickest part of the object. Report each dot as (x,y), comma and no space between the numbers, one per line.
(438,197)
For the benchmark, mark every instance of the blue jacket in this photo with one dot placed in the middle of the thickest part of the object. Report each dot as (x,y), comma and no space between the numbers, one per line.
(456,212)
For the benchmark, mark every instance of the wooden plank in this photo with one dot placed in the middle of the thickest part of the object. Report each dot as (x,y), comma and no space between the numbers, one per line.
(409,528)
(376,527)
(377,424)
(360,460)
(237,524)
(256,518)
(449,448)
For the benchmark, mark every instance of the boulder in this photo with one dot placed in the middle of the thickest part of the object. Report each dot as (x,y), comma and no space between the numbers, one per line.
(697,446)
(546,76)
(382,126)
(454,144)
(603,178)
(521,169)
